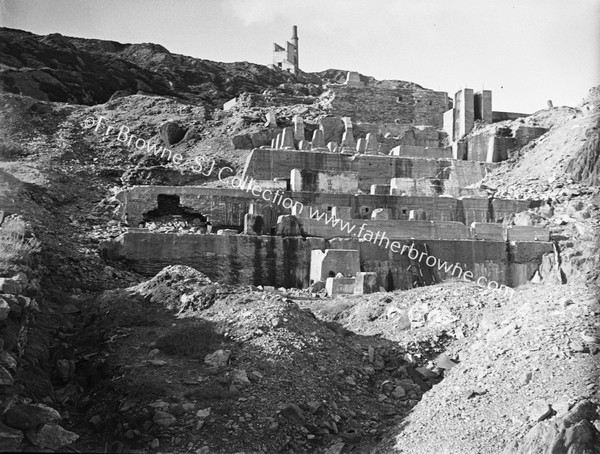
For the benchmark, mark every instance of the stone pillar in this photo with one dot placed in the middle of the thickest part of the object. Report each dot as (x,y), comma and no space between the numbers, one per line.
(333,146)
(298,128)
(464,113)
(278,141)
(361,145)
(348,143)
(304,145)
(271,120)
(372,146)
(318,140)
(274,144)
(483,106)
(287,139)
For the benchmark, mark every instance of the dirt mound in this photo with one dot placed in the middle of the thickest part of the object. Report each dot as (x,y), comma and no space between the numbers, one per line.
(180,288)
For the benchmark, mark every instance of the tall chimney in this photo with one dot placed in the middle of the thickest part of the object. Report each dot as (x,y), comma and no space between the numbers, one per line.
(295,43)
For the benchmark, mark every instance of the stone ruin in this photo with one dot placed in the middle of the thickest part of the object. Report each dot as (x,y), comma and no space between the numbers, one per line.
(286,58)
(292,218)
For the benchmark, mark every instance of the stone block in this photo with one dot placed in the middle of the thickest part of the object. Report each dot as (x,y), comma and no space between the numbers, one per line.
(464,113)
(353,80)
(298,128)
(372,146)
(304,145)
(253,224)
(488,231)
(483,106)
(229,104)
(380,189)
(287,139)
(226,232)
(271,120)
(361,145)
(330,262)
(526,233)
(318,140)
(366,283)
(348,143)
(340,286)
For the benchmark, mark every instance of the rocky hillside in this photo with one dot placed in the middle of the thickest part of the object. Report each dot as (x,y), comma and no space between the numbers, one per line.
(88,71)
(178,363)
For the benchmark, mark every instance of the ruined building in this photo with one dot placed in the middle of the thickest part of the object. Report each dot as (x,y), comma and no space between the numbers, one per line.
(392,166)
(287,58)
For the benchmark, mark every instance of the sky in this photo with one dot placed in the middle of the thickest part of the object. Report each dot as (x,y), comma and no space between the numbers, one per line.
(525,51)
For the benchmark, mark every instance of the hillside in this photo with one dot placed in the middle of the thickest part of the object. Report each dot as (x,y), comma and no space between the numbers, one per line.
(105,359)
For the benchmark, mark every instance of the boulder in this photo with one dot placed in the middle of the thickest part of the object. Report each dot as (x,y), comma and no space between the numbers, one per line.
(4,309)
(218,358)
(171,133)
(10,286)
(24,416)
(51,436)
(164,419)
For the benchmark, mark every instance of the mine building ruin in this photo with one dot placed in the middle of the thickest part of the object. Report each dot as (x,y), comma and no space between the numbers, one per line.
(287,58)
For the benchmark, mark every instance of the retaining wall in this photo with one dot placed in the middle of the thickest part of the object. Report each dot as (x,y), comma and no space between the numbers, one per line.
(278,261)
(227,207)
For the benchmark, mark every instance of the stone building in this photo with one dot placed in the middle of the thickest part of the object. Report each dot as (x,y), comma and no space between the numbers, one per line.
(287,58)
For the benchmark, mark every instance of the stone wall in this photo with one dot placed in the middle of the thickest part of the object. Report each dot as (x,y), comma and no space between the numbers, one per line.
(266,164)
(422,230)
(418,151)
(285,262)
(226,207)
(497,144)
(231,259)
(322,181)
(403,105)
